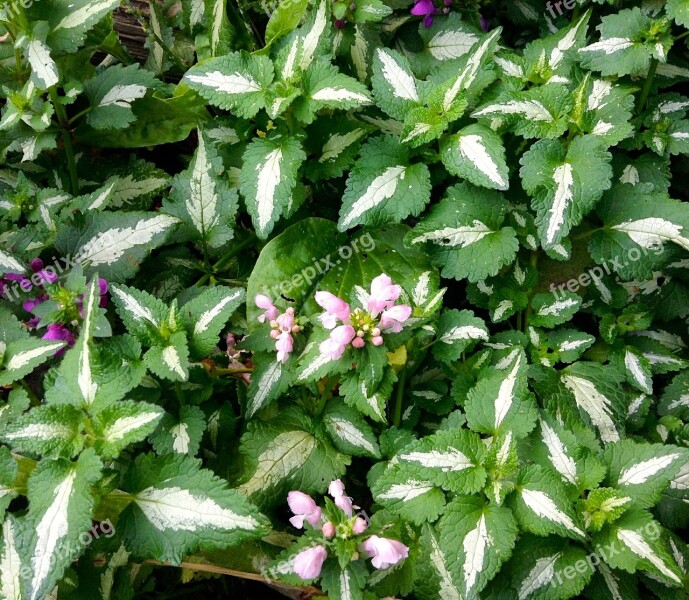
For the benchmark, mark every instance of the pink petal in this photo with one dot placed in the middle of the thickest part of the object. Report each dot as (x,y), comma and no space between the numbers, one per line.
(333,305)
(308,563)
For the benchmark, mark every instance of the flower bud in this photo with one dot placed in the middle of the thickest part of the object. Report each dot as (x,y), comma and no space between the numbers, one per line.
(359,525)
(358,342)
(376,332)
(274,333)
(328,529)
(377,341)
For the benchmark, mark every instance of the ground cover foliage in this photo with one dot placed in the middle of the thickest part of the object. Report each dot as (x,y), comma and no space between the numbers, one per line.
(370,299)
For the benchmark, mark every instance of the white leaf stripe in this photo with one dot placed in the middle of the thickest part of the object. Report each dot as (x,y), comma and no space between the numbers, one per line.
(609,46)
(564,193)
(287,453)
(530,109)
(42,64)
(10,564)
(448,45)
(639,546)
(206,318)
(544,506)
(641,472)
(338,143)
(461,236)
(463,332)
(41,431)
(236,83)
(313,37)
(50,530)
(505,397)
(172,359)
(180,438)
(445,460)
(123,95)
(178,509)
(202,202)
(651,231)
(402,83)
(269,174)
(85,14)
(406,491)
(447,590)
(474,546)
(265,386)
(125,425)
(557,453)
(348,432)
(10,264)
(137,311)
(381,188)
(339,94)
(594,404)
(633,365)
(109,246)
(472,148)
(540,576)
(556,308)
(21,359)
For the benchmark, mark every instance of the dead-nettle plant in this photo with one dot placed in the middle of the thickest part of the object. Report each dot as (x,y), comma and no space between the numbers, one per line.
(416,273)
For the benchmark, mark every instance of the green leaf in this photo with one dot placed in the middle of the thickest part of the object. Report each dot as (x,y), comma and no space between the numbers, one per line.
(394,85)
(349,431)
(8,474)
(234,82)
(484,536)
(434,578)
(180,435)
(269,174)
(111,94)
(202,199)
(500,401)
(115,243)
(541,112)
(550,309)
(179,507)
(12,568)
(595,390)
(21,357)
(124,423)
(383,187)
(457,331)
(142,314)
(60,510)
(626,44)
(541,504)
(477,154)
(205,317)
(411,498)
(44,71)
(679,11)
(641,545)
(643,471)
(283,455)
(47,431)
(269,380)
(565,183)
(284,19)
(548,568)
(171,360)
(449,459)
(464,234)
(345,583)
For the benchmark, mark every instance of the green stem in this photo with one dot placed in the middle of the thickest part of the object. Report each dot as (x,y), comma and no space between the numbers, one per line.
(679,37)
(66,140)
(399,398)
(80,114)
(225,258)
(326,395)
(527,314)
(646,90)
(32,397)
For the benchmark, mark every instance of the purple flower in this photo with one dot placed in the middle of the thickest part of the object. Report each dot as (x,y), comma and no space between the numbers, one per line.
(485,24)
(59,333)
(384,552)
(308,563)
(29,305)
(424,8)
(270,311)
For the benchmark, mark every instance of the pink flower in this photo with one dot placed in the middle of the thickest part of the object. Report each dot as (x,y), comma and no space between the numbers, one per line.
(308,563)
(335,308)
(337,343)
(270,311)
(328,529)
(424,8)
(286,320)
(337,491)
(392,318)
(384,552)
(304,508)
(360,525)
(383,294)
(284,345)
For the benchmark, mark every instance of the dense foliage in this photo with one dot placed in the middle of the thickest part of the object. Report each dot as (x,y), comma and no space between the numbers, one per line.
(373,299)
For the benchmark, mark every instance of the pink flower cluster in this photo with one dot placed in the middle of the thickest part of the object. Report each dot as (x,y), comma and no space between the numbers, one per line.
(308,563)
(283,325)
(380,316)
